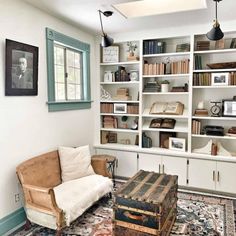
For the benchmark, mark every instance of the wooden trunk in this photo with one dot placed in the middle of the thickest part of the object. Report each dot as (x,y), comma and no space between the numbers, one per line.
(146,203)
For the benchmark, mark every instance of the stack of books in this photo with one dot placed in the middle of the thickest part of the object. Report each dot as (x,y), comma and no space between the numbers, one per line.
(196,127)
(198,62)
(184,47)
(232,78)
(122,94)
(151,87)
(109,122)
(203,45)
(201,112)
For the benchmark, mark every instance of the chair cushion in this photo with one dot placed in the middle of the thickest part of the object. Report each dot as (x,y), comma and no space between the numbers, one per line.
(75,196)
(75,162)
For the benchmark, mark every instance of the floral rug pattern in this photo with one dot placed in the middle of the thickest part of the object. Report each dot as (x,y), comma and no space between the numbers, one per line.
(197,215)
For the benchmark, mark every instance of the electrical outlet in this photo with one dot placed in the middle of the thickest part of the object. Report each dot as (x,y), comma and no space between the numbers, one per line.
(17,197)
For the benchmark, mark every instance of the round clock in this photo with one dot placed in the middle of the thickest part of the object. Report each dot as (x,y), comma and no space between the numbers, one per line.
(215,109)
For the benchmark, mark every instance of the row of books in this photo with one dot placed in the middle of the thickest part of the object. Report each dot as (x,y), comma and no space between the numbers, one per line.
(202,45)
(154,69)
(196,127)
(179,67)
(204,79)
(153,47)
(198,62)
(109,108)
(110,122)
(201,79)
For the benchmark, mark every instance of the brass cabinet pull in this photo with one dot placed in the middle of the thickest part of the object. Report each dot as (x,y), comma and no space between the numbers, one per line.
(163,169)
(159,168)
(218,176)
(214,176)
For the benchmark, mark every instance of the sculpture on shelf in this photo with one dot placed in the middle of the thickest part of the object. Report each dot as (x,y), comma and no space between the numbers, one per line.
(104,95)
(212,148)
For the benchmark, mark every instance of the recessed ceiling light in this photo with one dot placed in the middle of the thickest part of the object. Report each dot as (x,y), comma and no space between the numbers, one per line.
(157,7)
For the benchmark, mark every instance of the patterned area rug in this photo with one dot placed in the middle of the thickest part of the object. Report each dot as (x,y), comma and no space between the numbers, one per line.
(197,215)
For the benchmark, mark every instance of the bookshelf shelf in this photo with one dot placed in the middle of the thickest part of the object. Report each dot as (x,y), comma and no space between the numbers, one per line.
(180,127)
(120,63)
(167,54)
(116,114)
(121,130)
(213,118)
(213,136)
(167,93)
(214,70)
(117,101)
(120,83)
(218,51)
(166,76)
(215,87)
(147,114)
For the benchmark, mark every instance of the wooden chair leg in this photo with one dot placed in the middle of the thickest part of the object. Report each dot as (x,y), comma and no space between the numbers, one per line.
(27,225)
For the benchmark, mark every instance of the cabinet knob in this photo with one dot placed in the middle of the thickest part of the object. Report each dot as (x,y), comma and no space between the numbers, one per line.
(218,176)
(163,169)
(159,168)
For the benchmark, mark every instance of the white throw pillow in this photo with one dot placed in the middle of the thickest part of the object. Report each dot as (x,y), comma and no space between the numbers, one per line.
(75,162)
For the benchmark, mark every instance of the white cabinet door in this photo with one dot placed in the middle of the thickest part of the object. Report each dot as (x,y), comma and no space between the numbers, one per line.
(202,174)
(127,164)
(149,162)
(226,176)
(175,166)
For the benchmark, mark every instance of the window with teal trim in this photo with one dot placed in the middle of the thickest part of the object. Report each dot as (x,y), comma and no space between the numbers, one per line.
(68,62)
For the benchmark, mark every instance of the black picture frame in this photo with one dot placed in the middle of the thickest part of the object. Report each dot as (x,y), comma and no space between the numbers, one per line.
(21,69)
(229,108)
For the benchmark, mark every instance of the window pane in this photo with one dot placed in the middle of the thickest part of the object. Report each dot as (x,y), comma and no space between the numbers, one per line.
(60,91)
(71,91)
(78,92)
(59,55)
(59,74)
(70,58)
(77,76)
(77,60)
(71,75)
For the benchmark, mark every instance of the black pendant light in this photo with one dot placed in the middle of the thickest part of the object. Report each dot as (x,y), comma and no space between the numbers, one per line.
(215,33)
(106,40)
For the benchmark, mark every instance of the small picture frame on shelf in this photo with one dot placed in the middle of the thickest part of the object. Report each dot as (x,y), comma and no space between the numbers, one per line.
(219,79)
(178,144)
(120,108)
(229,108)
(112,137)
(110,54)
(164,139)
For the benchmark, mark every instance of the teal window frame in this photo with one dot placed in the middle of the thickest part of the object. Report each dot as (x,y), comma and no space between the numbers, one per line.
(85,103)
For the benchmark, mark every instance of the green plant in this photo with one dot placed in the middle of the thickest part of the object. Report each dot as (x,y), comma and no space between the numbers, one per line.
(131,46)
(124,118)
(165,82)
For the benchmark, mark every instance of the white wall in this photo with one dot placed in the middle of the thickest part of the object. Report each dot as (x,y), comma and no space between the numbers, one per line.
(26,126)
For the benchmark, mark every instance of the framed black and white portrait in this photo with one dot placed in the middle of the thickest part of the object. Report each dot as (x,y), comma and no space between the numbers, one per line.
(21,69)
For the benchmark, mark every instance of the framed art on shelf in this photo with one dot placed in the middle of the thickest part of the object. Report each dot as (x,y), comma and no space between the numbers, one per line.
(120,108)
(177,144)
(219,79)
(110,54)
(21,69)
(229,108)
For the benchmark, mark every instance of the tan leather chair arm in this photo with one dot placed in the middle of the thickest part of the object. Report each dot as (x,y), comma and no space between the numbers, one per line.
(41,199)
(99,164)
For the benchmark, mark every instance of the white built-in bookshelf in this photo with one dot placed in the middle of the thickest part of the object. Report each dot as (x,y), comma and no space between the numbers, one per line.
(183,62)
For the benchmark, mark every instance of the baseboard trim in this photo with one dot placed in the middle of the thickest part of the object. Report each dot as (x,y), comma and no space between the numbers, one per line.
(11,221)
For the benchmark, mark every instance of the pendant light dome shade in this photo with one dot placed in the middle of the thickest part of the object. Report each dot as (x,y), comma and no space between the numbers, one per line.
(215,33)
(106,40)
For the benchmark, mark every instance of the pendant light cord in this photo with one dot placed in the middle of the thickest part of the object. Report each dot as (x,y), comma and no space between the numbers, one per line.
(101,21)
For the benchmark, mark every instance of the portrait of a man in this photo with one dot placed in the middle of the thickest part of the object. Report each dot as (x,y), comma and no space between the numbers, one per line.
(21,69)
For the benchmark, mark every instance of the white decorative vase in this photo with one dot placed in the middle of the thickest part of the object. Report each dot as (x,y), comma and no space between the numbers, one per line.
(164,88)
